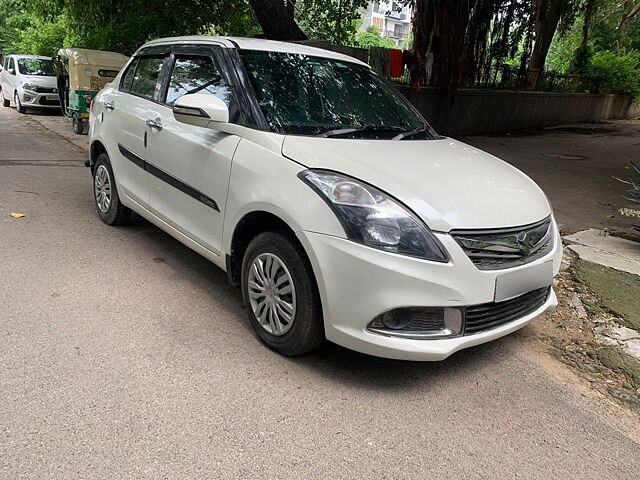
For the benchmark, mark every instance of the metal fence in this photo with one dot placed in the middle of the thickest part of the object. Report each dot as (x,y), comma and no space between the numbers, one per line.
(506,77)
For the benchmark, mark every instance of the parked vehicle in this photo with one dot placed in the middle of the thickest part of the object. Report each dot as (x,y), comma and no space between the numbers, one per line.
(30,82)
(81,74)
(325,196)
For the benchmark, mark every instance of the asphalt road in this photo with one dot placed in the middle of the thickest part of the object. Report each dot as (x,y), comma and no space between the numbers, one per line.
(125,355)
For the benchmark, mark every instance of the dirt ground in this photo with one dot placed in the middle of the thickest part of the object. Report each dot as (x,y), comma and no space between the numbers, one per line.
(573,338)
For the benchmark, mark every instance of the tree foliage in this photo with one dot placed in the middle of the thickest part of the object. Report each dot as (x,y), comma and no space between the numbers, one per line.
(371,37)
(43,26)
(603,44)
(333,20)
(469,39)
(615,73)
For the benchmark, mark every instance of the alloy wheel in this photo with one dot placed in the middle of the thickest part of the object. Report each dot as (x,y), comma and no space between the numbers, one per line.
(102,188)
(272,294)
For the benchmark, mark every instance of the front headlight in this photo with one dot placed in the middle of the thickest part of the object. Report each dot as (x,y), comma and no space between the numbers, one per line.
(372,218)
(29,86)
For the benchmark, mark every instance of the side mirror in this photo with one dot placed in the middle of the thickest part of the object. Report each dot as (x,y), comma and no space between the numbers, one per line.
(12,71)
(201,110)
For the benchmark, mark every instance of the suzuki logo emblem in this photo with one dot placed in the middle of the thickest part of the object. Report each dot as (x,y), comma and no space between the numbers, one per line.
(524,243)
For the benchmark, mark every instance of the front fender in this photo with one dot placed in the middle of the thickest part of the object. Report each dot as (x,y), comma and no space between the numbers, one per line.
(264,180)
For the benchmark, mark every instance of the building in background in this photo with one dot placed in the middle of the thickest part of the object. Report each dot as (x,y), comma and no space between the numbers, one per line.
(392,19)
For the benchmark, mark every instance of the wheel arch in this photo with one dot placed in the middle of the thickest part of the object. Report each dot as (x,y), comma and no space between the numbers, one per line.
(96,149)
(246,229)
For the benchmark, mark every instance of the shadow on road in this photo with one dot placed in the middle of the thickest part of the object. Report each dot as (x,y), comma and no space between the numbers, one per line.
(339,364)
(44,112)
(365,371)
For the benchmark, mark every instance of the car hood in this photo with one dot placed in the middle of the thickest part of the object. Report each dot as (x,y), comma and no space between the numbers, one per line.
(41,81)
(450,185)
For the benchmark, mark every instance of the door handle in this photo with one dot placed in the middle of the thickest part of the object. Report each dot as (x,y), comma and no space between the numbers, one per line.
(154,124)
(109,105)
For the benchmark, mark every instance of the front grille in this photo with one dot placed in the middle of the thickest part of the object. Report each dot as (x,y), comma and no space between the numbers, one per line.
(497,249)
(44,101)
(490,315)
(502,261)
(46,90)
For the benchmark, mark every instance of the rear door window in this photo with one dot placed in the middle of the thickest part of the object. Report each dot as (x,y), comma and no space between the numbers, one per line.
(146,78)
(196,74)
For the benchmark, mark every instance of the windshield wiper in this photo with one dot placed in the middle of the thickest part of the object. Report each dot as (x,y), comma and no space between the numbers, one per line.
(408,134)
(363,128)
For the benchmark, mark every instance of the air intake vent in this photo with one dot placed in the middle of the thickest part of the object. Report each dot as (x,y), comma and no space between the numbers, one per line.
(491,315)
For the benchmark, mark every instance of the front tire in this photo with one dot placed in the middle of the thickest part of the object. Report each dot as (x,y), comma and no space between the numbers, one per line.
(19,107)
(105,193)
(281,295)
(5,102)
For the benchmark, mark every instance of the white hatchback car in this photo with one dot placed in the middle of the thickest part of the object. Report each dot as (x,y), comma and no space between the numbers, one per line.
(325,196)
(29,81)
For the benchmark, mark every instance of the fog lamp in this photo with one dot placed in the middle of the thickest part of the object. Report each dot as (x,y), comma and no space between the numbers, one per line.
(397,319)
(419,322)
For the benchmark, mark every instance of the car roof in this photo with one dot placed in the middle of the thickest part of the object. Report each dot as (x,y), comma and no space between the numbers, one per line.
(30,56)
(244,43)
(86,56)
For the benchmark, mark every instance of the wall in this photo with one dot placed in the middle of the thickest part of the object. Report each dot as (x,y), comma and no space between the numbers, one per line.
(474,112)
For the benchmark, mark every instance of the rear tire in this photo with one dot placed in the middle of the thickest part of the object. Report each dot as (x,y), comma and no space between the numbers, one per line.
(19,107)
(105,193)
(5,102)
(78,126)
(281,295)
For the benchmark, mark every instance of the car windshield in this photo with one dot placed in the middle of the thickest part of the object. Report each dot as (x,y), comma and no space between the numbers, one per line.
(36,66)
(305,95)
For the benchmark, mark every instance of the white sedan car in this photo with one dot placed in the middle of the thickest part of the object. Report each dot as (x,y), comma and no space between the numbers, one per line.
(325,196)
(29,81)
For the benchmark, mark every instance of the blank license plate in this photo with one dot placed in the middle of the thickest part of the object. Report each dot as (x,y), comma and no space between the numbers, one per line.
(52,97)
(512,284)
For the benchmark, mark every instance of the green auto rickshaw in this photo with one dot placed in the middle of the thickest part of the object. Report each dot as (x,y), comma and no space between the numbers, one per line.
(82,73)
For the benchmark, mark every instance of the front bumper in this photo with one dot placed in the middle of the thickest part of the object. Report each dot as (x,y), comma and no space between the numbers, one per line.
(357,283)
(39,100)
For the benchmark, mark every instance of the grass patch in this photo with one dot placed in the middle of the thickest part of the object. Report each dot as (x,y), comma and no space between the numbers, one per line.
(607,368)
(618,292)
(618,361)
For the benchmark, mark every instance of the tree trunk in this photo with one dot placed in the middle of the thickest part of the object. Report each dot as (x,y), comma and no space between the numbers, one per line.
(634,11)
(548,13)
(276,19)
(588,16)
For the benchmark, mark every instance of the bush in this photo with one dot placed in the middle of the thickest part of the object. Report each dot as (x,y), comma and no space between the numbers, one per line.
(371,37)
(615,74)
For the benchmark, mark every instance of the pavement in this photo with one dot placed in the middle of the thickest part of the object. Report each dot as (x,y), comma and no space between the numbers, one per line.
(619,253)
(123,354)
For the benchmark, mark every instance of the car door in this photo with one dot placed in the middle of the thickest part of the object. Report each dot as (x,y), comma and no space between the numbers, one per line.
(3,77)
(126,110)
(10,79)
(189,166)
